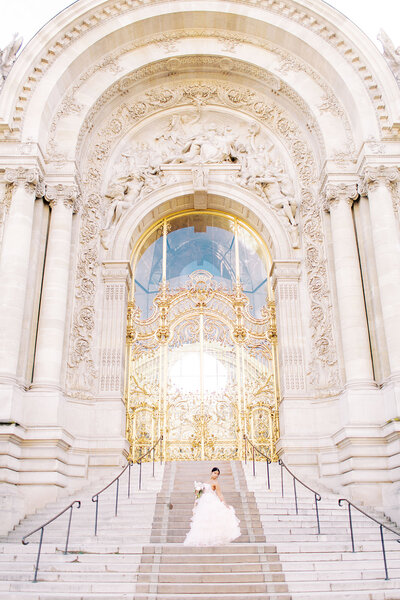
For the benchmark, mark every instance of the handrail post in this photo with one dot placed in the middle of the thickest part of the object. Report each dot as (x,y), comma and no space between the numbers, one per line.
(283,492)
(96,514)
(254,463)
(351,528)
(245,450)
(317,513)
(129,479)
(153,459)
(68,530)
(116,498)
(140,475)
(268,479)
(295,495)
(38,555)
(384,553)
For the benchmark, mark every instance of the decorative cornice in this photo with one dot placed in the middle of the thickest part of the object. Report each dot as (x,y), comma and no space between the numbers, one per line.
(63,194)
(339,192)
(377,176)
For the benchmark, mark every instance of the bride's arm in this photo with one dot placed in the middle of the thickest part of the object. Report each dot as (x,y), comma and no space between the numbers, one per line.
(219,493)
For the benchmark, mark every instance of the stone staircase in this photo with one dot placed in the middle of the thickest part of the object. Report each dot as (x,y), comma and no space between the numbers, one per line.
(324,566)
(139,554)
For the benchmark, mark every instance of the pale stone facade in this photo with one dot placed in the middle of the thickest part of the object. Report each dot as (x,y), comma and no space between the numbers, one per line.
(101,96)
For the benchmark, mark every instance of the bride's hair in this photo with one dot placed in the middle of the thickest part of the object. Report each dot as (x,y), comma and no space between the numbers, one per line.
(215,469)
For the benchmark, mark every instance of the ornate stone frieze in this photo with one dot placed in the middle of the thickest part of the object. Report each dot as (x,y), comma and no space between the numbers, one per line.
(341,192)
(300,14)
(121,87)
(375,176)
(201,93)
(65,194)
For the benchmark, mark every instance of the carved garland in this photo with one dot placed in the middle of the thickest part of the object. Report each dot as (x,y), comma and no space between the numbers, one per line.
(330,102)
(291,10)
(81,365)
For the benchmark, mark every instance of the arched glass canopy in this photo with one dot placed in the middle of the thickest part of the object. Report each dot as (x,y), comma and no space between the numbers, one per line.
(220,244)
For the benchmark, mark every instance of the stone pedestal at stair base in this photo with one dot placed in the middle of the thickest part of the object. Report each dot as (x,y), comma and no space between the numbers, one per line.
(353,447)
(61,444)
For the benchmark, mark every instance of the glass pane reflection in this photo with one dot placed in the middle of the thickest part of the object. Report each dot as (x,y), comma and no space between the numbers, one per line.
(200,241)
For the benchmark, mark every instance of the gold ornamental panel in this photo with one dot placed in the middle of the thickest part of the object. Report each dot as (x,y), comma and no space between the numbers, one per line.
(202,373)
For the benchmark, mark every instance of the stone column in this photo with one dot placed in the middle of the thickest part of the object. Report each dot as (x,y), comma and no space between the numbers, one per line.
(116,277)
(385,235)
(53,308)
(14,264)
(285,281)
(352,315)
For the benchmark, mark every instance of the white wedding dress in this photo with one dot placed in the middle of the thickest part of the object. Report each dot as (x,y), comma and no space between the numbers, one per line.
(212,523)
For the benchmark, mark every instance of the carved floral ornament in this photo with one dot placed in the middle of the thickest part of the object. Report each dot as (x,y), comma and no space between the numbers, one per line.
(339,192)
(292,10)
(29,179)
(381,175)
(81,372)
(330,103)
(67,195)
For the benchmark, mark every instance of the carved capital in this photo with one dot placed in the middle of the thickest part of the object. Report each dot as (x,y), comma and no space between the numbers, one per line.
(63,194)
(381,175)
(342,192)
(29,179)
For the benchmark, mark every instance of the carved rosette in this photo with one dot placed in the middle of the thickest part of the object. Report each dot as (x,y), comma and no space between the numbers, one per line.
(324,367)
(63,194)
(382,175)
(342,192)
(29,179)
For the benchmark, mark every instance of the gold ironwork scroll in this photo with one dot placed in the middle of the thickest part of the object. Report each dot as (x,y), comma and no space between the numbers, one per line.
(202,372)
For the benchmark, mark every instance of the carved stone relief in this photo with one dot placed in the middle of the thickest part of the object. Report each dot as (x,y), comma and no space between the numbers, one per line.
(125,117)
(121,87)
(302,15)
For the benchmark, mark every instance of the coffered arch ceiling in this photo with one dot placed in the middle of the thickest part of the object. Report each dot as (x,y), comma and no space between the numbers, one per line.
(304,56)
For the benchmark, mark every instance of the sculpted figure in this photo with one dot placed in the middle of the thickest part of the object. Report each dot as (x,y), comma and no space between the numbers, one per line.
(391,53)
(8,56)
(119,203)
(278,190)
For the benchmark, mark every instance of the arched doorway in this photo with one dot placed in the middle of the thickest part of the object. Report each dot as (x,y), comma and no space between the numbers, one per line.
(201,340)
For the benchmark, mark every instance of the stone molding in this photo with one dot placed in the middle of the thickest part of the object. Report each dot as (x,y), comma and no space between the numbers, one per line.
(63,194)
(285,270)
(299,14)
(377,176)
(324,364)
(29,179)
(339,192)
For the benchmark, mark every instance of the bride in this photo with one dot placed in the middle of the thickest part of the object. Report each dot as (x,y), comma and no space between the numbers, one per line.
(213,521)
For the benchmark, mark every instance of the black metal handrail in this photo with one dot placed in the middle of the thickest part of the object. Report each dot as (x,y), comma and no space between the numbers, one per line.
(317,496)
(255,449)
(95,497)
(41,529)
(381,526)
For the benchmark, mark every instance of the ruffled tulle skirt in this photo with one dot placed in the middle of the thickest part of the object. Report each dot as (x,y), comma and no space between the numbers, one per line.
(212,524)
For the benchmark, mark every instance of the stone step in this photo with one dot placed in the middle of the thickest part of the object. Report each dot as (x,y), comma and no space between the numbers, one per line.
(214,588)
(192,578)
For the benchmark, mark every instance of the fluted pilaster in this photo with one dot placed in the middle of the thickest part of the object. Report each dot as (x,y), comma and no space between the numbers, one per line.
(352,316)
(377,182)
(14,263)
(53,309)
